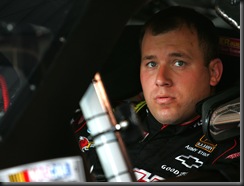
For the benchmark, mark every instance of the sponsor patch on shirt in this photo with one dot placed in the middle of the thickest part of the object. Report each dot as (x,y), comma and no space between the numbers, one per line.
(85,144)
(189,161)
(205,144)
(144,176)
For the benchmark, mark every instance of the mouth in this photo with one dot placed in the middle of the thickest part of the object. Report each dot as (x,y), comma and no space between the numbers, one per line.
(164,99)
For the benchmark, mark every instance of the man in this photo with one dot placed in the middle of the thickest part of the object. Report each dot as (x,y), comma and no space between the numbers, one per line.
(179,68)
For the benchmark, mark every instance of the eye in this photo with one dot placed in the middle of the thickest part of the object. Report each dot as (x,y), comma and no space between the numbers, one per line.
(179,63)
(151,64)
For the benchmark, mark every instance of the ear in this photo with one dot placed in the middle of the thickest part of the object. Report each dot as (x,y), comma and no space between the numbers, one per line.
(215,70)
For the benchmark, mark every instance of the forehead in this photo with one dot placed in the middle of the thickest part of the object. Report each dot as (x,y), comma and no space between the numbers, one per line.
(183,41)
(183,28)
(182,36)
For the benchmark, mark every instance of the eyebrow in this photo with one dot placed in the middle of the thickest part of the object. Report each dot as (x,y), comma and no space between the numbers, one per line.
(149,57)
(173,54)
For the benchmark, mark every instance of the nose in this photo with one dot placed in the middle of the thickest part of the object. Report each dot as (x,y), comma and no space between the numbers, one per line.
(163,77)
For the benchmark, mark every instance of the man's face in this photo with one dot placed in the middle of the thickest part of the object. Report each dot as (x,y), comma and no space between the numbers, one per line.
(173,75)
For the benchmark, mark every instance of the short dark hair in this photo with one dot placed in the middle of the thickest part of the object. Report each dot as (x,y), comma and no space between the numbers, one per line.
(175,16)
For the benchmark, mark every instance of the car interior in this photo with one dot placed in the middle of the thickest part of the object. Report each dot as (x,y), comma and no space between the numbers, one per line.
(50,52)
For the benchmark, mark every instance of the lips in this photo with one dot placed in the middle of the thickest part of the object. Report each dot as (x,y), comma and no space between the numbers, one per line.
(164,99)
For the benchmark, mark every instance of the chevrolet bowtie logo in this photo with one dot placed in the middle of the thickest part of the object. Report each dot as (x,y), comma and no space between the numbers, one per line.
(189,161)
